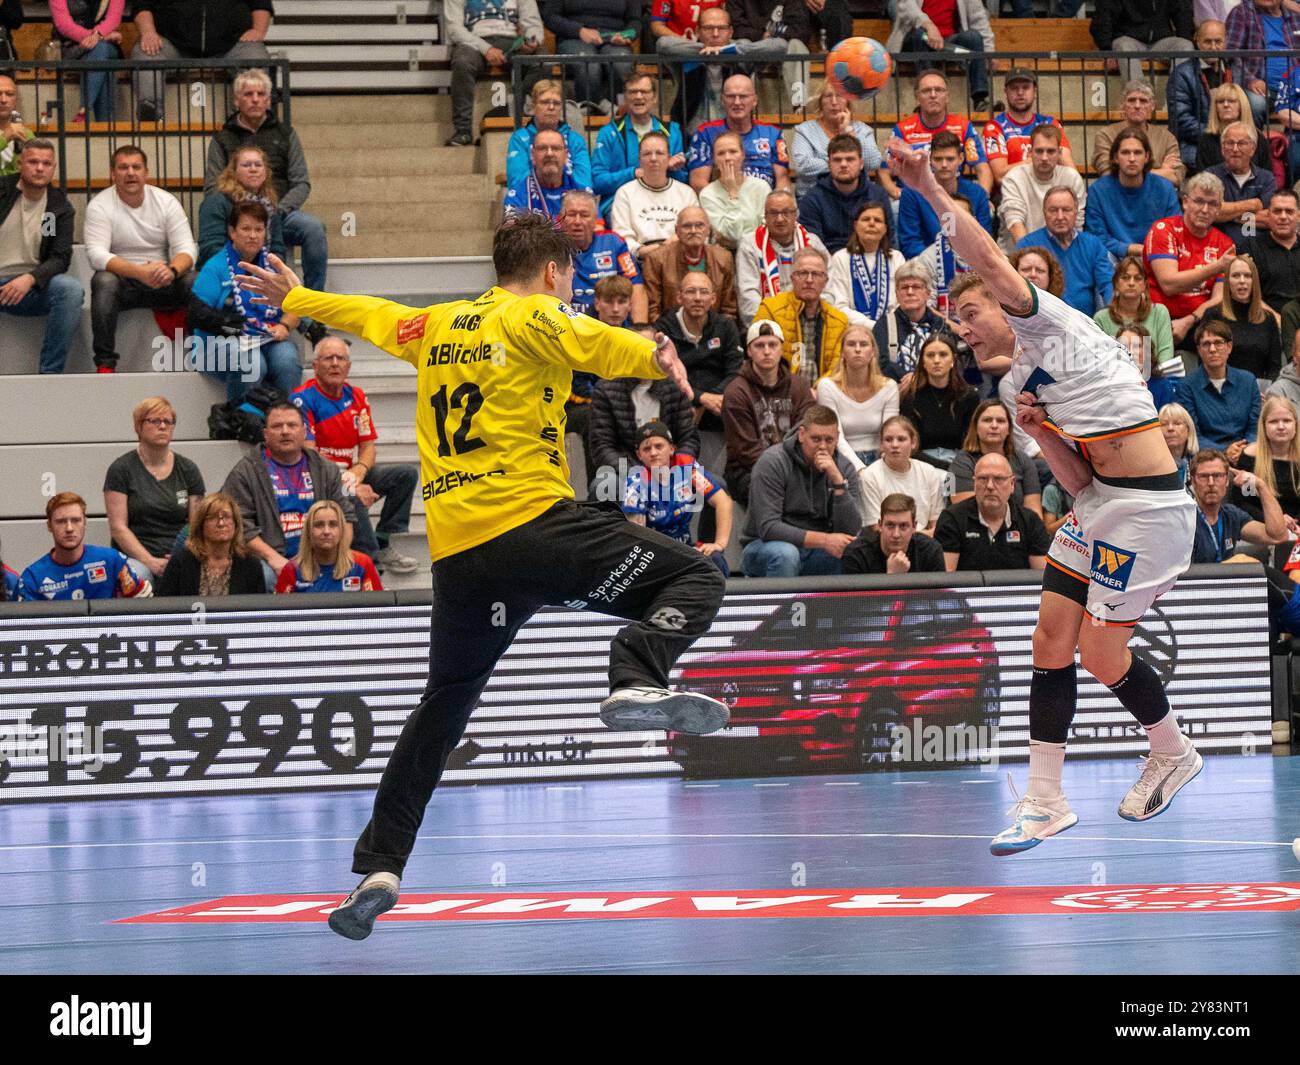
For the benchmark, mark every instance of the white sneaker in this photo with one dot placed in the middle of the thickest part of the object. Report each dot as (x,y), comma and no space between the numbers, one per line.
(642,709)
(1035,820)
(390,558)
(355,916)
(1161,779)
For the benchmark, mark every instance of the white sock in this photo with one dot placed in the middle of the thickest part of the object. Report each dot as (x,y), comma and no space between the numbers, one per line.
(387,879)
(1046,761)
(1167,739)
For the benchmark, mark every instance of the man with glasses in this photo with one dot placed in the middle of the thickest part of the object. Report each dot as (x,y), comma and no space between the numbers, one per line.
(1277,252)
(765,258)
(813,329)
(766,155)
(933,117)
(597,255)
(1222,527)
(991,530)
(544,189)
(1247,189)
(616,158)
(669,266)
(1222,400)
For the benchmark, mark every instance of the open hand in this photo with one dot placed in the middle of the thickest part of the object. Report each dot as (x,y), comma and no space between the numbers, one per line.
(666,356)
(270,287)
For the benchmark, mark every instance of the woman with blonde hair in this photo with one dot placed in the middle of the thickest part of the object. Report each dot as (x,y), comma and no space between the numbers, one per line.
(858,391)
(1256,341)
(811,138)
(247,176)
(325,560)
(989,433)
(1180,435)
(733,200)
(215,560)
(897,471)
(1228,104)
(1274,458)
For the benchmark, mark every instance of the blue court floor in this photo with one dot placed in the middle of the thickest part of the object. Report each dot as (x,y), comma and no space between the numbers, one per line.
(69,871)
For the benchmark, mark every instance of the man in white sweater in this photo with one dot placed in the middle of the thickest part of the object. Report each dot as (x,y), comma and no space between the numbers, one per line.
(140,244)
(1027,184)
(645,209)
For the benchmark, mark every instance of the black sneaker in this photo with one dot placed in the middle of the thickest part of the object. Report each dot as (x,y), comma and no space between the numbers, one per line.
(460,139)
(355,916)
(313,330)
(148,112)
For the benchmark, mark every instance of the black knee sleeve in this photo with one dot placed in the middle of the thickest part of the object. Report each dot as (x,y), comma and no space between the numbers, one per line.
(1141,693)
(1052,697)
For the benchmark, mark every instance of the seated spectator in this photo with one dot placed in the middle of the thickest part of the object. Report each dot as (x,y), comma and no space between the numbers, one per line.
(612,302)
(1024,188)
(1057,504)
(861,396)
(1039,267)
(1187,94)
(253,343)
(933,26)
(1185,257)
(761,405)
(1083,258)
(1162,26)
(1130,304)
(734,201)
(543,191)
(341,427)
(689,255)
(646,208)
(140,245)
(196,29)
(1274,459)
(1229,105)
(276,485)
(9,584)
(918,225)
(74,569)
(812,139)
(897,472)
(766,155)
(548,114)
(942,263)
(1259,25)
(1247,188)
(990,530)
(1288,381)
(1137,342)
(616,159)
(708,345)
(862,273)
(1276,251)
(1221,527)
(1222,400)
(831,21)
(485,34)
(214,561)
(766,256)
(937,401)
(662,493)
(91,33)
(1286,112)
(989,433)
(325,561)
(932,116)
(1008,134)
(1256,343)
(597,255)
(829,208)
(151,493)
(813,329)
(36,230)
(246,177)
(13,134)
(1129,200)
(1139,108)
(595,27)
(1290,324)
(802,514)
(1180,435)
(901,332)
(895,546)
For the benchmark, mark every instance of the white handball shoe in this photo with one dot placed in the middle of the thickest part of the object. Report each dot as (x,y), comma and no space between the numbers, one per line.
(1162,778)
(1035,820)
(639,709)
(355,916)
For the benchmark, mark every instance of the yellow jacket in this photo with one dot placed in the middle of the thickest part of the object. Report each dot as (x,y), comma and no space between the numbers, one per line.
(786,310)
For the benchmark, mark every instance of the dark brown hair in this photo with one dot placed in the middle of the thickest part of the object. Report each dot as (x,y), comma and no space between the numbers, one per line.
(523,245)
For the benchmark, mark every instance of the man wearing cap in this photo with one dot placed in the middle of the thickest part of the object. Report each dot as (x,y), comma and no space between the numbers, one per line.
(1007,134)
(761,404)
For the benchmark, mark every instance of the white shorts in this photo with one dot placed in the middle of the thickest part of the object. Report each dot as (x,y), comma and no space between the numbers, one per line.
(1122,548)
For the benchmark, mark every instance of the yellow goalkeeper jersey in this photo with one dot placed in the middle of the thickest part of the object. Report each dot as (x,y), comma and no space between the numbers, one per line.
(495,373)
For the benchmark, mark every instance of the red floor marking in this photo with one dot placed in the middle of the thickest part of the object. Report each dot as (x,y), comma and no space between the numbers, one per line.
(858,902)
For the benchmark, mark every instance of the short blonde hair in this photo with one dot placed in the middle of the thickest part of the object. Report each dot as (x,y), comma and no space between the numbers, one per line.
(543,86)
(1176,412)
(147,408)
(252,77)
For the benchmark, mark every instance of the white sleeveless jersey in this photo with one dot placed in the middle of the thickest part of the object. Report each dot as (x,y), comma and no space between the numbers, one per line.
(1086,380)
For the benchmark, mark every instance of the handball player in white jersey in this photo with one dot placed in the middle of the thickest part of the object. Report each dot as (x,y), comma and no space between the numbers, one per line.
(1081,398)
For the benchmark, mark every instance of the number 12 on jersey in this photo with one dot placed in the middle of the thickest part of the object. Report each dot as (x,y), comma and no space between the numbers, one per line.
(466,395)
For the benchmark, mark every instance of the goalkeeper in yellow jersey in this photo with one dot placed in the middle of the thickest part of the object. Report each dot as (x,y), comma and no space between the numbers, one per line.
(505,534)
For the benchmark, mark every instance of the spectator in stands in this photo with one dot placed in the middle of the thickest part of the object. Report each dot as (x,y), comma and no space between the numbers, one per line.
(547,184)
(595,27)
(934,26)
(646,208)
(612,297)
(662,493)
(613,302)
(1191,83)
(862,273)
(1039,267)
(1139,108)
(1130,304)
(254,344)
(901,332)
(13,134)
(918,225)
(831,205)
(617,158)
(1256,343)
(896,472)
(802,512)
(325,561)
(548,114)
(1180,435)
(246,177)
(942,263)
(895,546)
(1222,400)
(1221,527)
(1247,188)
(151,493)
(689,255)
(1130,199)
(482,34)
(215,561)
(761,405)
(91,33)
(1259,25)
(74,569)
(937,401)
(1161,26)
(8,584)
(708,345)
(276,485)
(196,29)
(1008,134)
(812,139)
(597,255)
(1274,459)
(1026,187)
(989,433)
(36,224)
(813,329)
(1286,112)
(990,530)
(859,393)
(1230,104)
(341,427)
(1288,381)
(765,258)
(1185,257)
(766,156)
(932,116)
(1276,251)
(140,245)
(733,200)
(1083,258)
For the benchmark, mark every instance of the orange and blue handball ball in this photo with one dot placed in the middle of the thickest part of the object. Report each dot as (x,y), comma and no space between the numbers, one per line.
(859,67)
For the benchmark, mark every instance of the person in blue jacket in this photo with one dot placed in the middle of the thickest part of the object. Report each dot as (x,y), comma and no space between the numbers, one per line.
(618,145)
(548,113)
(1188,92)
(1124,204)
(918,225)
(830,208)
